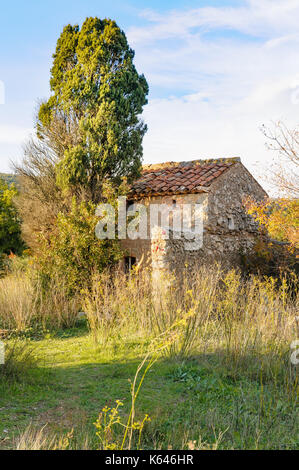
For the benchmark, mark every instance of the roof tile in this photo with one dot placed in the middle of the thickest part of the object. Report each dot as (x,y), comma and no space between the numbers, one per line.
(180,177)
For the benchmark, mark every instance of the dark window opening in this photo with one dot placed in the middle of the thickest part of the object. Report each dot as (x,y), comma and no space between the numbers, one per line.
(130,204)
(130,261)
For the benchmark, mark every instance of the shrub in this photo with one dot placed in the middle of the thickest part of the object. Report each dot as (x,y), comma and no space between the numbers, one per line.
(73,252)
(276,250)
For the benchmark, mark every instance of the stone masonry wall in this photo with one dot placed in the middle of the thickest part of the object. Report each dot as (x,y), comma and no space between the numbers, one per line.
(142,249)
(228,230)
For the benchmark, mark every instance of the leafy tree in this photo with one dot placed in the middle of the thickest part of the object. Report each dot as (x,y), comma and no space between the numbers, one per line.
(10,227)
(89,138)
(73,253)
(276,250)
(98,96)
(280,219)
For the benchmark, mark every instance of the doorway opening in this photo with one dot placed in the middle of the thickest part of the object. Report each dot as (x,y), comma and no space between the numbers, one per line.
(130,261)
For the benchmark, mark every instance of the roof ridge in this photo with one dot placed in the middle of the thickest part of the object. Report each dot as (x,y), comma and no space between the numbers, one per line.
(157,166)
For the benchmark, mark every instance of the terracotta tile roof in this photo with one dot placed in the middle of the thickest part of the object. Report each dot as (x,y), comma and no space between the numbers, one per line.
(179,177)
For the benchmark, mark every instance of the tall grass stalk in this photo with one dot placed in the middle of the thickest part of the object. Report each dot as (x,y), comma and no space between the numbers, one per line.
(247,325)
(17,302)
(24,303)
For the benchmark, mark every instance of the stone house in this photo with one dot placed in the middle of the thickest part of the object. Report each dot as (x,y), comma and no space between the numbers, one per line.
(218,187)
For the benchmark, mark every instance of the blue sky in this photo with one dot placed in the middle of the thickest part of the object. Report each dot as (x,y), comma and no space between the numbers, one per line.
(217,71)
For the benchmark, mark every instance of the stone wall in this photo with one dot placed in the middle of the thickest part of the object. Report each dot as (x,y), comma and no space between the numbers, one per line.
(228,231)
(142,249)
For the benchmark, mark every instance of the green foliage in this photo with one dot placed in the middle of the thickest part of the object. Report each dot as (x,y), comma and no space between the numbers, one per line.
(89,136)
(276,250)
(10,228)
(73,252)
(98,93)
(279,217)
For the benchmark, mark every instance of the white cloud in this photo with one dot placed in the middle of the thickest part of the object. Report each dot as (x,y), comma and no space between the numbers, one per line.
(261,17)
(225,86)
(222,72)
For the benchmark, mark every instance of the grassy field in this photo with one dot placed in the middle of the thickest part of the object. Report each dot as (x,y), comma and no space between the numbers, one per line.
(193,400)
(225,382)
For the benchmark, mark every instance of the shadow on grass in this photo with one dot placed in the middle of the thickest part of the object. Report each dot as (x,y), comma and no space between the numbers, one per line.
(182,397)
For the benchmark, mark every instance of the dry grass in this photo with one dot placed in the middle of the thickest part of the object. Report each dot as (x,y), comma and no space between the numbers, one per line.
(17,302)
(240,329)
(118,304)
(231,385)
(42,439)
(56,309)
(34,439)
(248,325)
(25,304)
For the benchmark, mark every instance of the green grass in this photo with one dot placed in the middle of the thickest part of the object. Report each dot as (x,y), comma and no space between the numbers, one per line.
(196,399)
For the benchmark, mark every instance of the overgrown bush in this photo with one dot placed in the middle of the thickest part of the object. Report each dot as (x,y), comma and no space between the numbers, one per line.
(73,253)
(276,250)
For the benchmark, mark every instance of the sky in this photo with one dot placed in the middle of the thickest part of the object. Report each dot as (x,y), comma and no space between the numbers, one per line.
(217,70)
